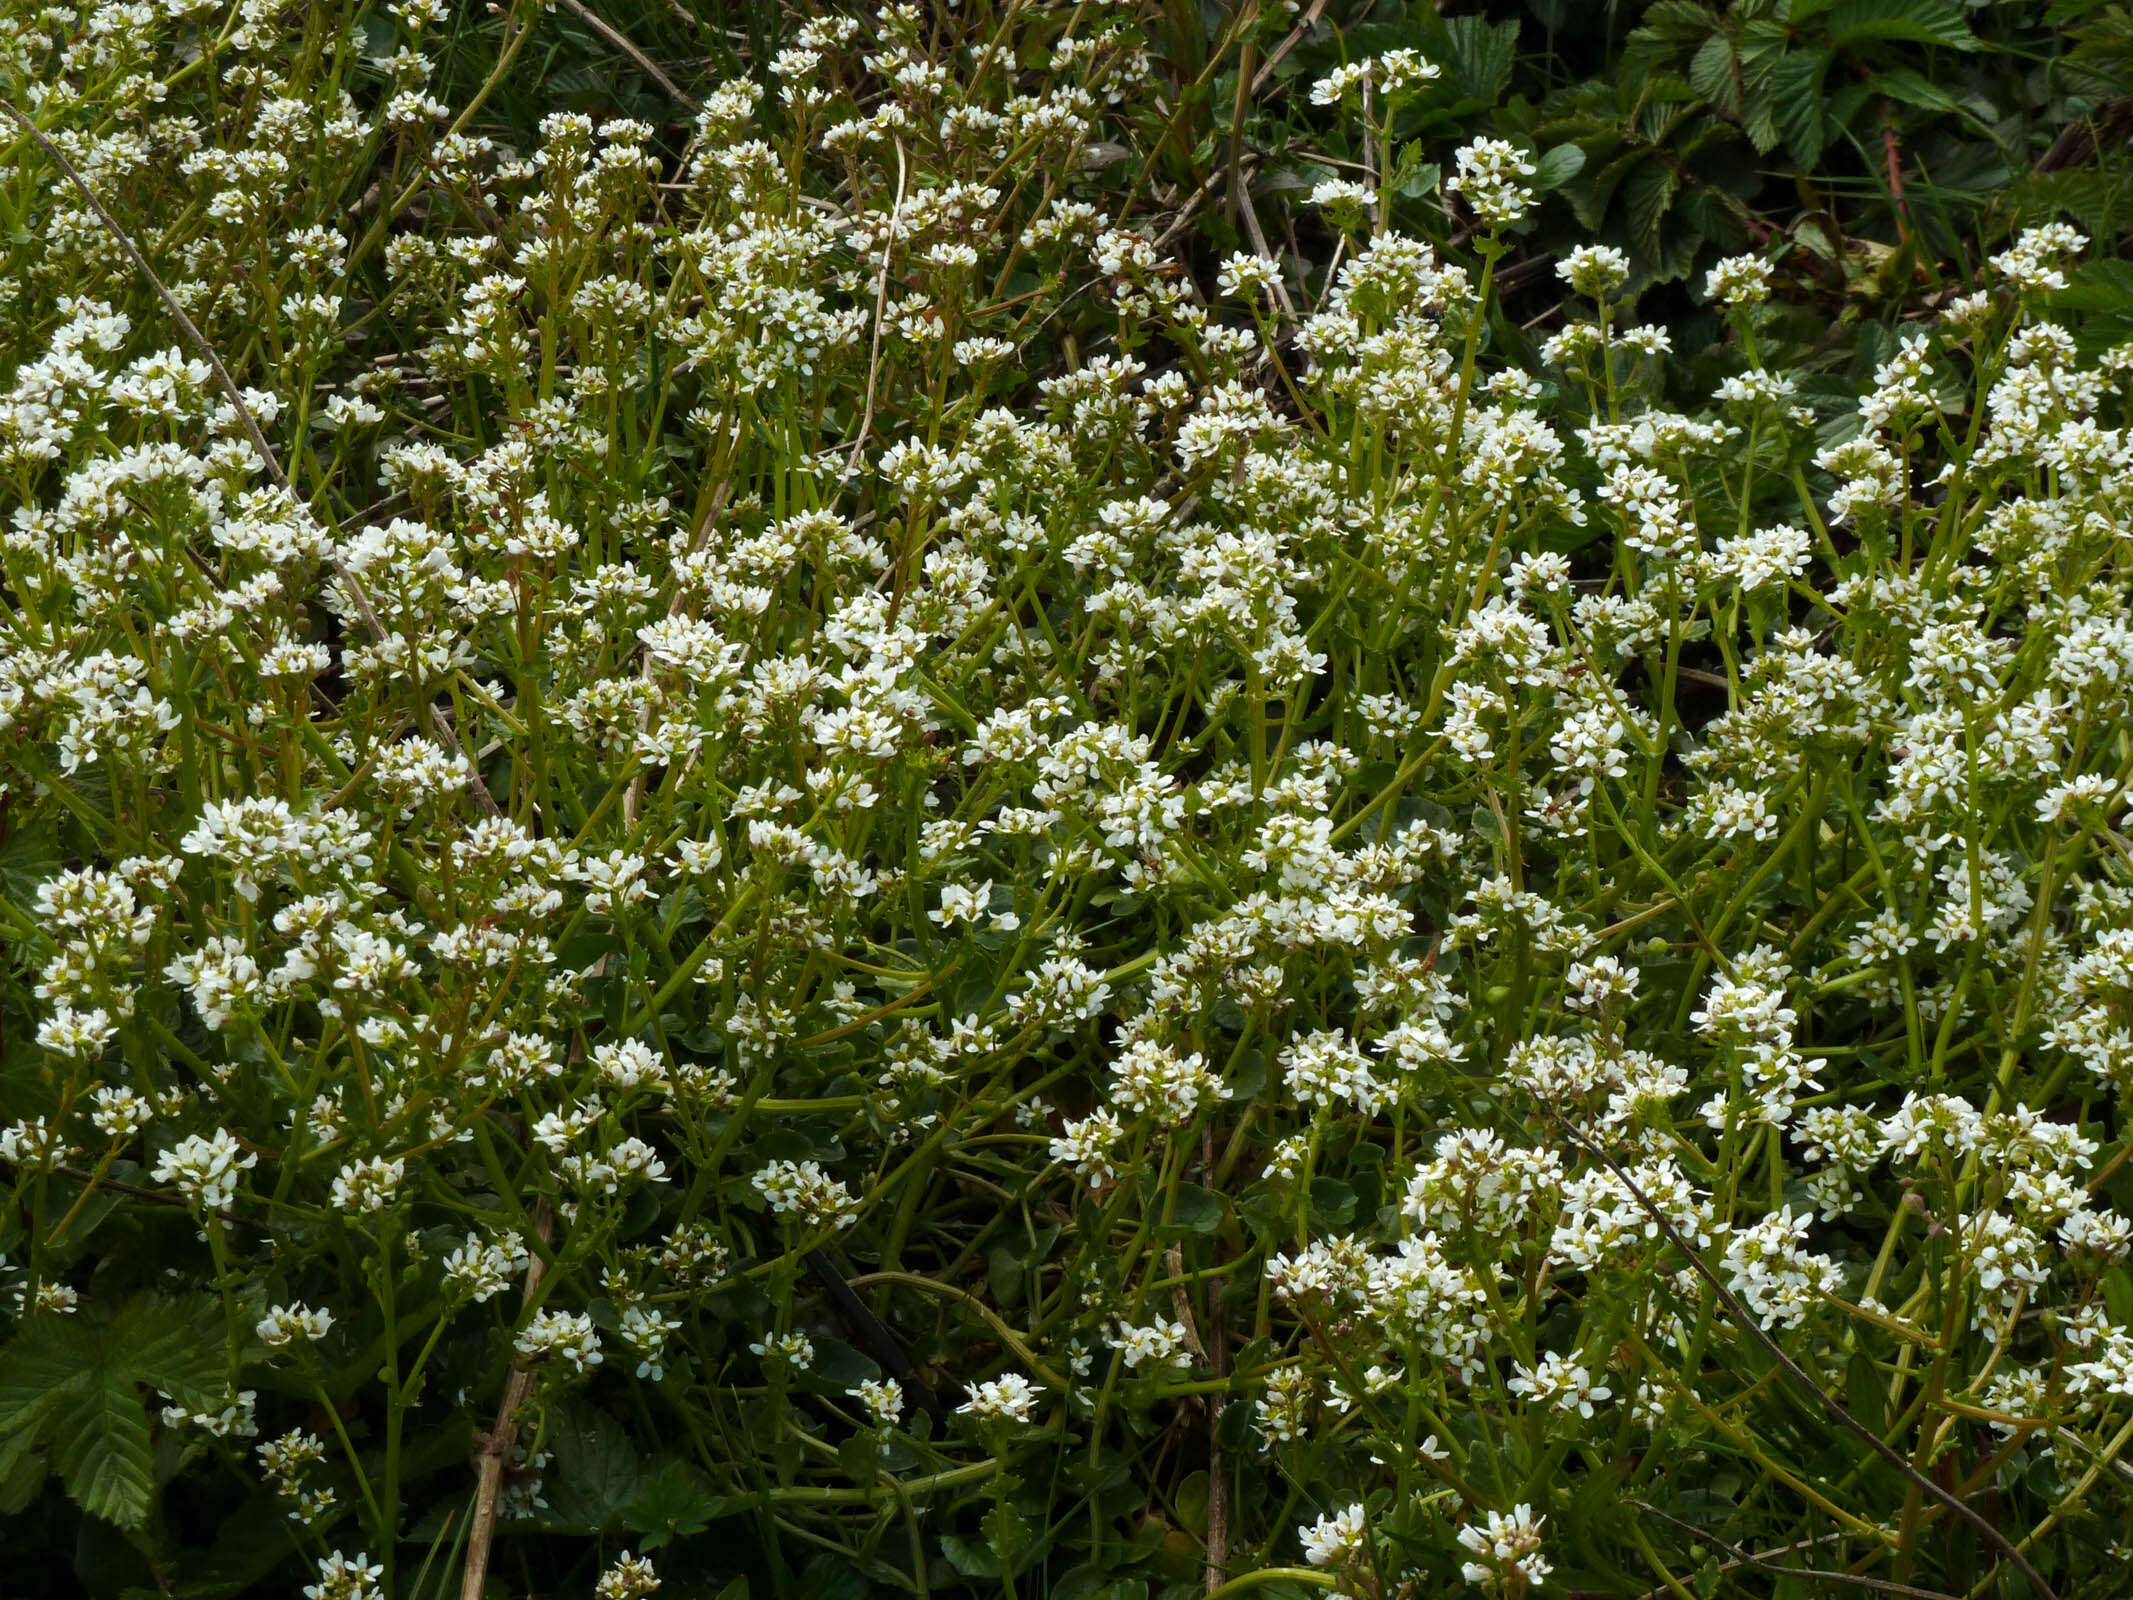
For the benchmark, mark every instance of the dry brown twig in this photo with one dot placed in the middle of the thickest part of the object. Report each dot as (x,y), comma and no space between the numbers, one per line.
(494,1453)
(1304,25)
(621,41)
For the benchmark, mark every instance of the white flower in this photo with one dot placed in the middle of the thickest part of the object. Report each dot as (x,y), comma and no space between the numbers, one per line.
(367,1187)
(1594,269)
(1153,1078)
(566,1336)
(286,1325)
(1245,277)
(1086,1146)
(801,1189)
(482,1269)
(1161,1343)
(972,903)
(346,1578)
(205,1169)
(793,1352)
(1488,177)
(646,1331)
(1007,1398)
(883,1399)
(1335,1540)
(628,1577)
(79,1034)
(1560,1382)
(1739,281)
(1508,1547)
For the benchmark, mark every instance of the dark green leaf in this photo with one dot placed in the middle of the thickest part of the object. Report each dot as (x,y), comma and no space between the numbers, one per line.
(1332,1202)
(970,1557)
(1715,72)
(671,1503)
(1198,1210)
(1557,167)
(1647,195)
(1913,89)
(28,856)
(48,1360)
(1858,22)
(101,1433)
(1480,56)
(1796,100)
(596,1470)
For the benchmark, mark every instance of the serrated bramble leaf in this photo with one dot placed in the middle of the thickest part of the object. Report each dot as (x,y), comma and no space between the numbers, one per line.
(171,1345)
(48,1359)
(28,856)
(103,1451)
(1713,70)
(1913,89)
(1858,22)
(1796,100)
(76,1383)
(1482,54)
(1646,196)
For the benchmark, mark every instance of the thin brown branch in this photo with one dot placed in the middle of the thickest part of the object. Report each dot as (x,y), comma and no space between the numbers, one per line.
(881,300)
(494,1452)
(621,41)
(1304,25)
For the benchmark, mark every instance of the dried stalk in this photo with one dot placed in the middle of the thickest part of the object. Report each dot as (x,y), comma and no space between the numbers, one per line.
(621,41)
(494,1452)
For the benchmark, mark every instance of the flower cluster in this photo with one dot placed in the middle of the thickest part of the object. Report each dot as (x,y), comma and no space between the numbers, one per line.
(798,757)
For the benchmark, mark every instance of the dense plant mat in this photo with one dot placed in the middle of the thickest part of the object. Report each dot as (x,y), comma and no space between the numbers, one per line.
(1064,801)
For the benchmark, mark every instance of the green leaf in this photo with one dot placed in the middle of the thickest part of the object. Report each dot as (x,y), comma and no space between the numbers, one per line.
(1858,22)
(829,1577)
(24,1481)
(596,1469)
(171,1345)
(1332,1202)
(103,1450)
(970,1557)
(28,856)
(672,1503)
(1669,28)
(1557,167)
(2118,1294)
(1913,89)
(1006,1532)
(2099,286)
(1198,1210)
(1713,71)
(48,1361)
(14,1450)
(1647,196)
(1796,98)
(75,1383)
(1480,56)
(1866,1394)
(1003,1276)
